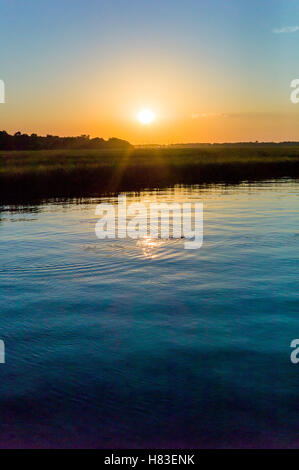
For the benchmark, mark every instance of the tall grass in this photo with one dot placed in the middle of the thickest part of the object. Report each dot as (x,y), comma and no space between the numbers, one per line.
(35,175)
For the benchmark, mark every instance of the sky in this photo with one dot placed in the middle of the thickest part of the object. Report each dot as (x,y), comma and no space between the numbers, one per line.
(210,70)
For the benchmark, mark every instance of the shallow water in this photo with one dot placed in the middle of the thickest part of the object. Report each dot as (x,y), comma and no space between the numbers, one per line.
(125,343)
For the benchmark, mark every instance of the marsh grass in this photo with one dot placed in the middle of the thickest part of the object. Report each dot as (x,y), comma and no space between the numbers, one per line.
(38,175)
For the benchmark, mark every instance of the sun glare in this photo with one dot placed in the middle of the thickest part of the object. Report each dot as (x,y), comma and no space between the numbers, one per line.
(146,116)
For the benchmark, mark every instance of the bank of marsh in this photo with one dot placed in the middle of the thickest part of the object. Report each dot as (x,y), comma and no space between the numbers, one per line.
(32,175)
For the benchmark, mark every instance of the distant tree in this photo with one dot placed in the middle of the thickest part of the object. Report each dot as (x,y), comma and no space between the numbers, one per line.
(20,141)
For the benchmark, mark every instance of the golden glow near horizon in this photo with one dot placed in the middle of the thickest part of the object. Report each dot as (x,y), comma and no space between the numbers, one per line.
(146,116)
(208,74)
(186,109)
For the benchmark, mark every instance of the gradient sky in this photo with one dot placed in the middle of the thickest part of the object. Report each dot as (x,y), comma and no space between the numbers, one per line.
(213,70)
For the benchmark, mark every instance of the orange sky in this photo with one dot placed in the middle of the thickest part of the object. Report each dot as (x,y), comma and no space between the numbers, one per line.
(213,72)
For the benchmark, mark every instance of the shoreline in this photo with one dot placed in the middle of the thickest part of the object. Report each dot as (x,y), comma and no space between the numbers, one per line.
(31,176)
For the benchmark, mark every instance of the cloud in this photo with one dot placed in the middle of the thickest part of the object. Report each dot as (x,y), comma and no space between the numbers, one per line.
(207,115)
(286,29)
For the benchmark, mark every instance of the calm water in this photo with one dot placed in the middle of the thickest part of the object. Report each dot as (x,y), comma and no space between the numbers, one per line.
(144,344)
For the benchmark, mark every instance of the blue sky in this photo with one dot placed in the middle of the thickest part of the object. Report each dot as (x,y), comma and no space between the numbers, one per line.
(222,56)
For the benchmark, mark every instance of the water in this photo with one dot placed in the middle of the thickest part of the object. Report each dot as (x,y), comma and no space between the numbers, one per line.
(144,344)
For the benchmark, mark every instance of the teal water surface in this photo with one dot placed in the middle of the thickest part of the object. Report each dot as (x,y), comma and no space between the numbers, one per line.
(141,343)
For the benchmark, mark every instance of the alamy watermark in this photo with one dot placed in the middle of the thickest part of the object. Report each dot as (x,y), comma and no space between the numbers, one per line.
(295,93)
(2,92)
(137,221)
(295,353)
(2,352)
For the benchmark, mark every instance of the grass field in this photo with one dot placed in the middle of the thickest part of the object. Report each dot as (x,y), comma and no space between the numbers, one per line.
(34,175)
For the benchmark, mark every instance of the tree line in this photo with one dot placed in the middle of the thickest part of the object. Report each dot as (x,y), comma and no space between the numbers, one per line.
(19,141)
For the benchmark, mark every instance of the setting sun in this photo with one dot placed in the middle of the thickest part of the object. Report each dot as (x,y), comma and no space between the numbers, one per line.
(146,116)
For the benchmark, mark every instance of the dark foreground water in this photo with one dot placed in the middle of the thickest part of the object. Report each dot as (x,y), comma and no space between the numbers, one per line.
(144,344)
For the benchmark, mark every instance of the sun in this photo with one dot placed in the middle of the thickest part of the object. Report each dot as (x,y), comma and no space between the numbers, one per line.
(146,116)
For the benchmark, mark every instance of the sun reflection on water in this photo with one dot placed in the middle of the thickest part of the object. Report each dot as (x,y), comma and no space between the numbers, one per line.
(150,246)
